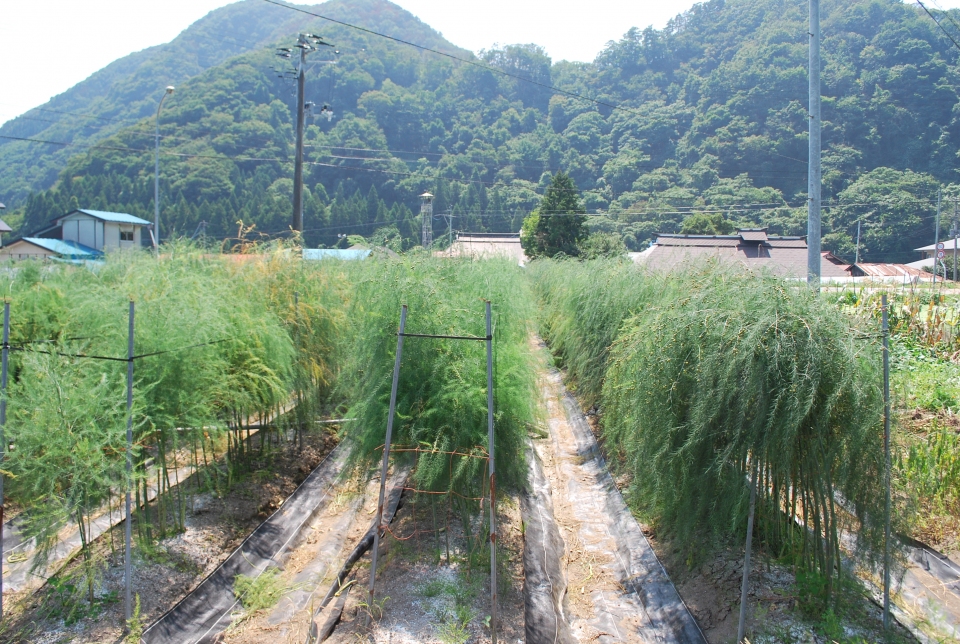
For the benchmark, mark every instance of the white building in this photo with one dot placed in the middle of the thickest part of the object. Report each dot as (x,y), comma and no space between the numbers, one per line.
(101,230)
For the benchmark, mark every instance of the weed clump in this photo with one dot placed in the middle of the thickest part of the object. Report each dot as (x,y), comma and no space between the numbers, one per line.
(259,592)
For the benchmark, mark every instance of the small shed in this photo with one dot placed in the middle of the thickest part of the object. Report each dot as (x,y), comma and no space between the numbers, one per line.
(43,248)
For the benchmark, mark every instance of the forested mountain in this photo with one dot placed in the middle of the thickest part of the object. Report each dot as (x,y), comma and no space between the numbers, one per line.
(708,113)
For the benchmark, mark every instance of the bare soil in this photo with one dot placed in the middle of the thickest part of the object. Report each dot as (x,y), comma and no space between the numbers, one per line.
(427,599)
(711,587)
(167,570)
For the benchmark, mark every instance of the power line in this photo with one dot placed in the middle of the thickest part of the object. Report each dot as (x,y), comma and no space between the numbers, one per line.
(465,61)
(936,21)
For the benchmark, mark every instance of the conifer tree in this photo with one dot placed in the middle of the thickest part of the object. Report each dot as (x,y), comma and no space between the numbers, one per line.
(557,225)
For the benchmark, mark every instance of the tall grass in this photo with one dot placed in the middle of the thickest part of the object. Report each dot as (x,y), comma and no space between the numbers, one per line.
(715,373)
(441,397)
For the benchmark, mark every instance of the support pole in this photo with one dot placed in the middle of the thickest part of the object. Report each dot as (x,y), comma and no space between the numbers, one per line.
(386,453)
(493,483)
(936,236)
(298,160)
(3,422)
(813,168)
(886,452)
(127,602)
(741,628)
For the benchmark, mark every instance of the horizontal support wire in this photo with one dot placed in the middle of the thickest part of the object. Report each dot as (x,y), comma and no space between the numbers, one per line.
(481,455)
(445,337)
(23,347)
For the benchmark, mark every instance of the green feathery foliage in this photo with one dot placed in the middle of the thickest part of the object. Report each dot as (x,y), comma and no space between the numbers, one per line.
(442,392)
(583,306)
(718,373)
(232,346)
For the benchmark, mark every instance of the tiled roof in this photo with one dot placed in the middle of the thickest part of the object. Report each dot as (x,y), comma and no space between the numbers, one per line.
(783,256)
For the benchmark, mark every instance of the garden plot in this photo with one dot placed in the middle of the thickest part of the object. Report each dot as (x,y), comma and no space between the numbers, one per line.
(421,597)
(617,591)
(168,570)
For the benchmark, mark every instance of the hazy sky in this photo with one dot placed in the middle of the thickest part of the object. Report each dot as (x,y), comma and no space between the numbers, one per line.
(47,47)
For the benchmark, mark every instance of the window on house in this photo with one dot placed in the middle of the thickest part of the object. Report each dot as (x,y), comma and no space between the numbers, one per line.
(126,235)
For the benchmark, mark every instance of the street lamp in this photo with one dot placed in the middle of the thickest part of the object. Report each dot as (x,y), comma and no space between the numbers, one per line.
(156,178)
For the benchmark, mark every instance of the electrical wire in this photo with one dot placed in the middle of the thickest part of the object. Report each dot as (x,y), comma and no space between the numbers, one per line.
(957,45)
(465,61)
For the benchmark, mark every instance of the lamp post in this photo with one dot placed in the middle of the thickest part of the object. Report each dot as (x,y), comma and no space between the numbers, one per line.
(156,177)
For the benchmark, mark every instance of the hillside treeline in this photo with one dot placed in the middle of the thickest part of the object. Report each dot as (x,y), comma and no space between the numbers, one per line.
(708,113)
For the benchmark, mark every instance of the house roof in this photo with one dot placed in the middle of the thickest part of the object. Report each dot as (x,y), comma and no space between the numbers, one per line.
(68,249)
(103,215)
(336,253)
(4,227)
(753,234)
(784,256)
(920,263)
(486,245)
(893,270)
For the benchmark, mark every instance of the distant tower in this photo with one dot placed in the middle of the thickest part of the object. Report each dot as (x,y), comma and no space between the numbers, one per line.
(426,218)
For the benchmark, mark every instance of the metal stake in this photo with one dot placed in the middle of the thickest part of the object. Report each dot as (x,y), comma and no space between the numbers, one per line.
(3,422)
(386,453)
(886,452)
(493,483)
(746,557)
(127,605)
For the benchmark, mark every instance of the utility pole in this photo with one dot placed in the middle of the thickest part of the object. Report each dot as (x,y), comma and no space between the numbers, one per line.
(813,168)
(305,43)
(298,160)
(156,176)
(857,260)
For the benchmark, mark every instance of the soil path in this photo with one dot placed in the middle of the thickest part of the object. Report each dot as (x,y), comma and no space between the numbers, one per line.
(617,589)
(209,608)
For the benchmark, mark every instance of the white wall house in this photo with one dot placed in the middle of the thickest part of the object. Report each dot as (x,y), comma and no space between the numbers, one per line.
(102,230)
